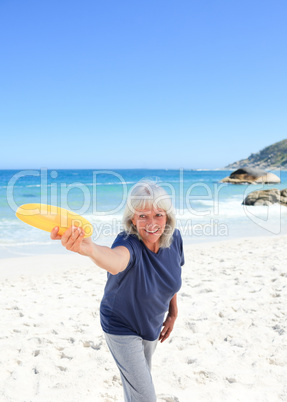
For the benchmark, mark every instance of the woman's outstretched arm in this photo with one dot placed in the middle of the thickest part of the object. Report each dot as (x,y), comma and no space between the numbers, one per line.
(112,260)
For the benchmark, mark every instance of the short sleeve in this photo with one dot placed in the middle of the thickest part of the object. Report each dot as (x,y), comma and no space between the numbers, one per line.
(128,241)
(181,252)
(179,245)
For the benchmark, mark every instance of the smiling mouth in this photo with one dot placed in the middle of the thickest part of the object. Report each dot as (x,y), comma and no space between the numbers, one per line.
(152,231)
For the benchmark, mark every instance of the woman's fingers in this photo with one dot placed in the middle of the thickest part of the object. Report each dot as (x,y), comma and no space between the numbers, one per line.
(54,233)
(167,328)
(65,237)
(164,335)
(166,331)
(72,238)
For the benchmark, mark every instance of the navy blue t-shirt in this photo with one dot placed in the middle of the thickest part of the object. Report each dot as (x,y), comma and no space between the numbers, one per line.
(135,300)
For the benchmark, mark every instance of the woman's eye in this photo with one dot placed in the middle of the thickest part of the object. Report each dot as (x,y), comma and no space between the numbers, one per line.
(142,216)
(159,215)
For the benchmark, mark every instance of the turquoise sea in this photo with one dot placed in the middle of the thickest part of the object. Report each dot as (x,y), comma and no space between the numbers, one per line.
(207,210)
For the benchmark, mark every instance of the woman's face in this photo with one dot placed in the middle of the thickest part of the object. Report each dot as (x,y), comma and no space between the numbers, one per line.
(150,224)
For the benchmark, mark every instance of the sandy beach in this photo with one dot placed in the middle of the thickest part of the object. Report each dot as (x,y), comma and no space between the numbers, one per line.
(229,343)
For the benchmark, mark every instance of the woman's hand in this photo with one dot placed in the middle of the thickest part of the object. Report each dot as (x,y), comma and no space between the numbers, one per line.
(170,319)
(73,240)
(167,328)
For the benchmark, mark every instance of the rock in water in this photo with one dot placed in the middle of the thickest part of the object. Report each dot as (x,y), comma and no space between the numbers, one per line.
(251,176)
(283,197)
(266,197)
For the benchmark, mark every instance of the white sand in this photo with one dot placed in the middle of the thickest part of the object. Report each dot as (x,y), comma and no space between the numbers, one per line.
(229,344)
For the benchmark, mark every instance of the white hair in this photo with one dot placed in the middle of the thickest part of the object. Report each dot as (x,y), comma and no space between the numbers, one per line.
(148,194)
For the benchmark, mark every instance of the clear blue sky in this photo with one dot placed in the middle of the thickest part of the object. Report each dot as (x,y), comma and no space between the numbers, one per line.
(132,84)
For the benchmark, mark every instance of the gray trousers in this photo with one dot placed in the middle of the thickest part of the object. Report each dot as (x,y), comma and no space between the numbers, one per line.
(133,355)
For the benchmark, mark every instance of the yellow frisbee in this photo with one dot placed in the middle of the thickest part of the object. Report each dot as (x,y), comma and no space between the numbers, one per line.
(46,217)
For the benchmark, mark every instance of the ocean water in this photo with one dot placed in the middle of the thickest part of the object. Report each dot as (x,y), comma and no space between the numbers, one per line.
(206,209)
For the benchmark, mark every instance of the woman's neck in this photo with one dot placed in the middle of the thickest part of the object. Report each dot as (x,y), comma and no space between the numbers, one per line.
(154,247)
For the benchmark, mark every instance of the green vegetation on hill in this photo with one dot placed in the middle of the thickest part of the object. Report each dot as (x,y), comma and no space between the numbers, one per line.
(272,156)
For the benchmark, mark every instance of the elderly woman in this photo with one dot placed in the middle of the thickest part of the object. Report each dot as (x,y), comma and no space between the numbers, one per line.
(144,276)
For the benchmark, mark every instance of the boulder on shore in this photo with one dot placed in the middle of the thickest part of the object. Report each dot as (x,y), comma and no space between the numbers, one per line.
(251,176)
(266,197)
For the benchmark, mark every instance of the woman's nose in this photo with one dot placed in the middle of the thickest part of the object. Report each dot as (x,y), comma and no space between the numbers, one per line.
(150,221)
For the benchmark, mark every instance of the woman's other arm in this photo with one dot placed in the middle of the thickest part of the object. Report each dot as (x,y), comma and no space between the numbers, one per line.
(170,319)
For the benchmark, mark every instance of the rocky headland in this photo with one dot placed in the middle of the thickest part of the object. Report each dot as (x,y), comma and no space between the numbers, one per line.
(272,157)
